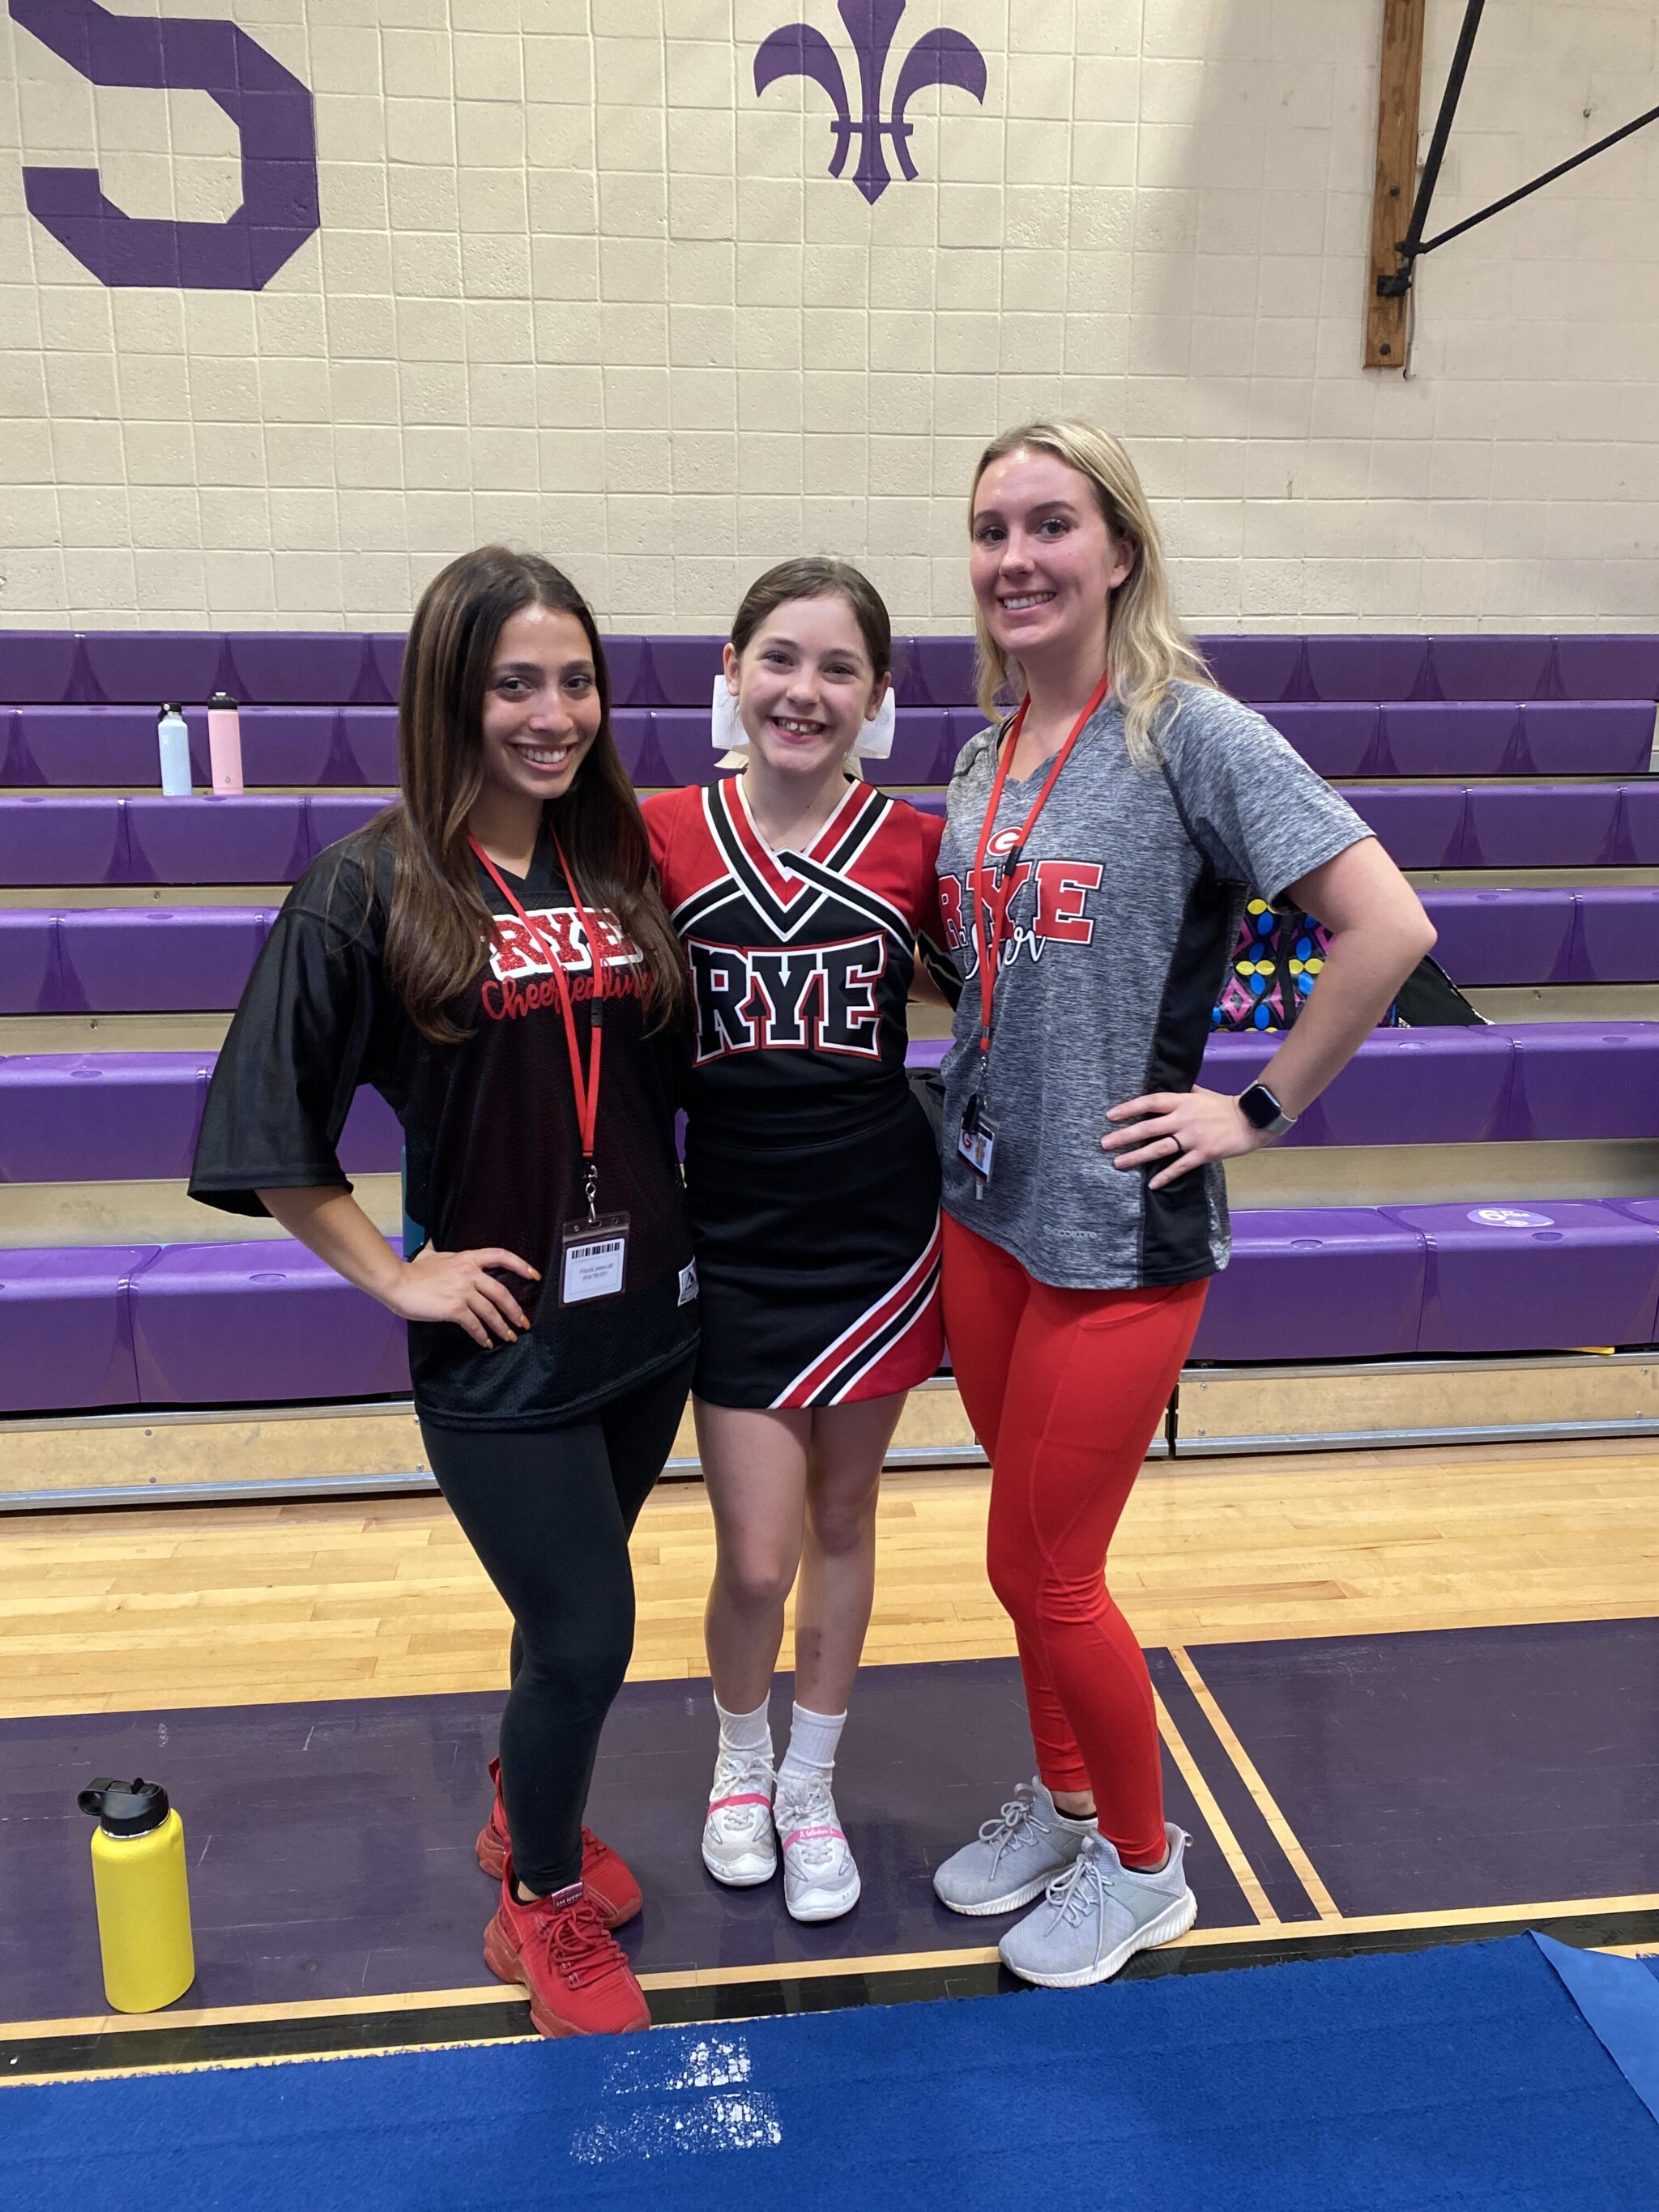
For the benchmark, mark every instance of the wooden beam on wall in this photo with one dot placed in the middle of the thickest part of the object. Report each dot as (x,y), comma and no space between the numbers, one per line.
(1400,93)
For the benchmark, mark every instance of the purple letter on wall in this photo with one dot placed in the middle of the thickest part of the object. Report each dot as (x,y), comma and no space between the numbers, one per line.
(271,111)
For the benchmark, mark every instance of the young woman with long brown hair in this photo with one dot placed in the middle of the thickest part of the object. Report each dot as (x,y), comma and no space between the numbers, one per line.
(1101,839)
(492,956)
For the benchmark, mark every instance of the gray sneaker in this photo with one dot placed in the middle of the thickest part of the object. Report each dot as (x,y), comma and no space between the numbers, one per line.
(1097,1915)
(1013,1858)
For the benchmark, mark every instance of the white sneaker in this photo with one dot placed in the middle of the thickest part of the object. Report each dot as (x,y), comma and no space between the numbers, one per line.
(739,1845)
(820,1879)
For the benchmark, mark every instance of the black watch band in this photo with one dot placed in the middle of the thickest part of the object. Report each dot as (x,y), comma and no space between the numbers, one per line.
(1263,1111)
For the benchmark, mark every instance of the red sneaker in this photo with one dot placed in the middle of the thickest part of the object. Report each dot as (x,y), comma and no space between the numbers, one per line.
(606,1873)
(578,1980)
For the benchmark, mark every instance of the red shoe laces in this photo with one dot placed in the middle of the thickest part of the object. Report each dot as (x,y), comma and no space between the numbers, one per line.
(578,1942)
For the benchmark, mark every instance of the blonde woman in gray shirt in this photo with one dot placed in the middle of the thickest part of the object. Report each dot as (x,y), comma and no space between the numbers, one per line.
(1099,845)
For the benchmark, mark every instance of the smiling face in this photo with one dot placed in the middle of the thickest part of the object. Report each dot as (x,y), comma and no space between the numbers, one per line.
(1043,561)
(805,685)
(541,706)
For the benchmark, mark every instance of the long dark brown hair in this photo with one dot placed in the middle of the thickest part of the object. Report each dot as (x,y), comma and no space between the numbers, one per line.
(437,923)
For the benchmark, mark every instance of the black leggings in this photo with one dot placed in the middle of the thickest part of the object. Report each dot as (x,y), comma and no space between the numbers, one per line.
(548,1512)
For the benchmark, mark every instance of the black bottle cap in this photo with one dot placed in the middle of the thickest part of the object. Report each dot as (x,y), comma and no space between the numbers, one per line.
(221,700)
(172,706)
(124,1808)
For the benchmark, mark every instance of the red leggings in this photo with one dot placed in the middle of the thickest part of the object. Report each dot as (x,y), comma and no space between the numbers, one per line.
(1065,1389)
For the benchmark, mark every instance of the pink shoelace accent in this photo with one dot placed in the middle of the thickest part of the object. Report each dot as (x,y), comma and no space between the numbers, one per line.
(813,1835)
(744,1797)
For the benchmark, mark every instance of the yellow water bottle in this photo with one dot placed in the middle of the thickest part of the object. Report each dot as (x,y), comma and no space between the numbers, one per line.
(139,1880)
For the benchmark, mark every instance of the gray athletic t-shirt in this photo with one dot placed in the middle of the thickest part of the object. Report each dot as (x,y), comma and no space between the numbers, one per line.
(1128,900)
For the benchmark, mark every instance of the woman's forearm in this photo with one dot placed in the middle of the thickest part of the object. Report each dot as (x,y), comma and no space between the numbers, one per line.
(328,1221)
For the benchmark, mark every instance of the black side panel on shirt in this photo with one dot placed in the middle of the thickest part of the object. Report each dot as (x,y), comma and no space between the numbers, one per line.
(1174,1222)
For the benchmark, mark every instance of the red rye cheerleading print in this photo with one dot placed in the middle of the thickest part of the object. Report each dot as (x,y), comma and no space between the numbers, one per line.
(521,956)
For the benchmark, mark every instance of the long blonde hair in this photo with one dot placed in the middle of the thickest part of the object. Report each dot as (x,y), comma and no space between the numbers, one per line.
(1147,647)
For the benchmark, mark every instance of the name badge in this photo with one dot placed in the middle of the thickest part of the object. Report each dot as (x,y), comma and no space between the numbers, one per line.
(595,1259)
(976,1144)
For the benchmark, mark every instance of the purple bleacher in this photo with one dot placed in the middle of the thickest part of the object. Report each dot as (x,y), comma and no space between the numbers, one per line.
(1591,666)
(1330,1283)
(385,663)
(1503,936)
(369,737)
(28,961)
(64,840)
(203,840)
(1616,936)
(66,1328)
(926,1052)
(929,802)
(1425,738)
(280,745)
(630,727)
(108,1117)
(330,816)
(1418,825)
(38,666)
(113,745)
(146,668)
(371,1142)
(1367,668)
(1533,1275)
(1541,825)
(1259,670)
(1491,667)
(922,750)
(156,960)
(1585,737)
(1334,740)
(685,668)
(628,661)
(1581,1079)
(221,1324)
(1402,1087)
(1638,825)
(934,671)
(682,739)
(298,668)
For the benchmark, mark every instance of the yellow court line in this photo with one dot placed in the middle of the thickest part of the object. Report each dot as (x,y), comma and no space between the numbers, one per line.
(1284,1834)
(1231,1850)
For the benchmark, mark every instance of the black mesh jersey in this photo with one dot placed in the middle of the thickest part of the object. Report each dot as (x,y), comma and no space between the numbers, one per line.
(493,1154)
(801,961)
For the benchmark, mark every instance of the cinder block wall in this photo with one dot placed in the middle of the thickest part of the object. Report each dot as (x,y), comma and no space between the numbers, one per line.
(575,283)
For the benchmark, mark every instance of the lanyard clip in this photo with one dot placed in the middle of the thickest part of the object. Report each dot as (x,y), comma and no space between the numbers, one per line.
(590,1188)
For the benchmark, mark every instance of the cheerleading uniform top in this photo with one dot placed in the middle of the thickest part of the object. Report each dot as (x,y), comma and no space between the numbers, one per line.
(493,1153)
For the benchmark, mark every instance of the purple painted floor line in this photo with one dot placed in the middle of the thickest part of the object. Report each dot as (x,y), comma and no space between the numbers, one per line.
(1445,1769)
(331,1844)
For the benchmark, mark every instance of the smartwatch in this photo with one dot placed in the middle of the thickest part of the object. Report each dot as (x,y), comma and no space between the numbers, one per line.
(1263,1111)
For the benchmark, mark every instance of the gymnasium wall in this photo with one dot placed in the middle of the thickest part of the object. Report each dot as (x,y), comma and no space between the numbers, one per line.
(558,273)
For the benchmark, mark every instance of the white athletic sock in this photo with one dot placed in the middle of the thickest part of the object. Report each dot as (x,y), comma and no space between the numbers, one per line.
(745,1734)
(811,1754)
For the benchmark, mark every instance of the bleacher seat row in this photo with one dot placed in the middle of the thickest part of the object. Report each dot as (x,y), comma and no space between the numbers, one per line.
(53,747)
(270,838)
(120,1116)
(152,959)
(226,1324)
(328,668)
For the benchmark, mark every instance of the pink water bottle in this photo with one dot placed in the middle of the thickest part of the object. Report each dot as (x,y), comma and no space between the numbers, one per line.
(224,744)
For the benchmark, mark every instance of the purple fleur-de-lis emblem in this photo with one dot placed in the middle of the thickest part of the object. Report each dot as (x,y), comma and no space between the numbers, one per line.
(937,58)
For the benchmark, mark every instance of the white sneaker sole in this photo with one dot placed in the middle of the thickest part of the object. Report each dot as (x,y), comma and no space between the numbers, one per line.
(823,1903)
(748,1872)
(1181,1913)
(1026,1894)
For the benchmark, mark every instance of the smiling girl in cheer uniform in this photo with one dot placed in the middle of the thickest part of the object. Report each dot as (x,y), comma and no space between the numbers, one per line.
(1096,858)
(492,956)
(813,1183)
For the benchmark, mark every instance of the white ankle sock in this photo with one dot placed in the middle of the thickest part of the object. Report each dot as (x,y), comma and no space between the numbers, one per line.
(745,1734)
(811,1754)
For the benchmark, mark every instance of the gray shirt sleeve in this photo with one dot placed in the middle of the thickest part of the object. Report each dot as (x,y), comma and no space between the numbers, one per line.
(1253,805)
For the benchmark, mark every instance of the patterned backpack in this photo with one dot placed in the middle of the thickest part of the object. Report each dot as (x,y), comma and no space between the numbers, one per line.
(1276,962)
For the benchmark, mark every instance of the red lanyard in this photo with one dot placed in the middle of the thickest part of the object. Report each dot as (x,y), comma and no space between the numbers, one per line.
(585,1084)
(988,941)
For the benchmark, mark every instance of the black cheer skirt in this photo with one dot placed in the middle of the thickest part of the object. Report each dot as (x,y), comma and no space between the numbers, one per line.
(817,1264)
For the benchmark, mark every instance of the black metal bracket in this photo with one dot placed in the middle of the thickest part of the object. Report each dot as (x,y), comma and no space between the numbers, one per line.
(1412,248)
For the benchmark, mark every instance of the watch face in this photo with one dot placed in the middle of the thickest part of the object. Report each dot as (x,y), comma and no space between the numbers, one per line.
(1260,1108)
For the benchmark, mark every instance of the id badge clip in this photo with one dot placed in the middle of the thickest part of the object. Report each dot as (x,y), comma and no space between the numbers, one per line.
(978,1141)
(593,1257)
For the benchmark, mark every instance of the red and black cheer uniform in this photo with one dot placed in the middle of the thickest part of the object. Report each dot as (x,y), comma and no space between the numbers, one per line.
(811,1173)
(545,1448)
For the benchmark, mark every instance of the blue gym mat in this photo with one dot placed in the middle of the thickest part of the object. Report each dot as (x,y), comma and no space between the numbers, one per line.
(1458,2077)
